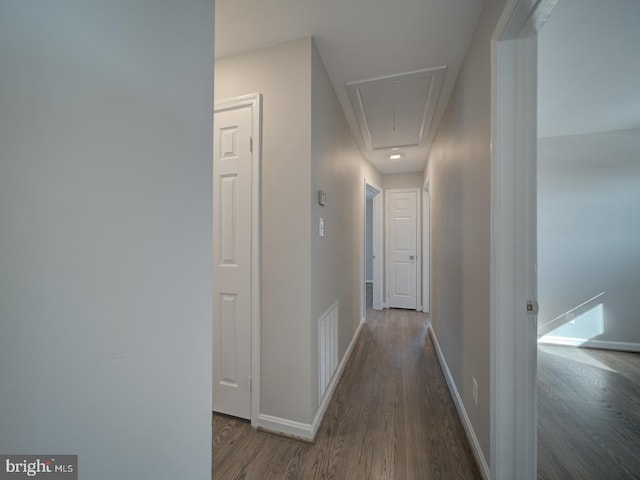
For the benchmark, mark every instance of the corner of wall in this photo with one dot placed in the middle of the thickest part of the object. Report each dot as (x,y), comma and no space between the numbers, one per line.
(282,74)
(337,258)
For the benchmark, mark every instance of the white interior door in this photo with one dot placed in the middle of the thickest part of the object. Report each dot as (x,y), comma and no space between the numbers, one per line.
(402,224)
(232,262)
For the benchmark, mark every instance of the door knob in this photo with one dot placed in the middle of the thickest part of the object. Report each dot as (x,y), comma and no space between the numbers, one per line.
(411,257)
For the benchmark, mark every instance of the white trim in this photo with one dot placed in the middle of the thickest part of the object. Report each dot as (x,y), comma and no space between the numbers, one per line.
(513,428)
(419,250)
(513,238)
(426,249)
(378,213)
(308,431)
(462,412)
(254,100)
(513,350)
(283,426)
(418,243)
(587,343)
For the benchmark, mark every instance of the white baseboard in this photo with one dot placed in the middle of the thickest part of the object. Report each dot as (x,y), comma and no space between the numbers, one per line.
(581,342)
(308,431)
(283,426)
(462,412)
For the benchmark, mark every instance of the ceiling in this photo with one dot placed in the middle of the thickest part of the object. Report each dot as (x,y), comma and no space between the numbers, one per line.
(362,40)
(589,68)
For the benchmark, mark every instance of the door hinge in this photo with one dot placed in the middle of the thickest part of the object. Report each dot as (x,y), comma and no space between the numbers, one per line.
(250,384)
(251,144)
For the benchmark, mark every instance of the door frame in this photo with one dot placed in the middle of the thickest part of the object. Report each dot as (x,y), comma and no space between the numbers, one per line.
(377,234)
(426,248)
(253,101)
(513,238)
(418,191)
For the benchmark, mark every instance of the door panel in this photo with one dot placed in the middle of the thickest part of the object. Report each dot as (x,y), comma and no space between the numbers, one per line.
(402,233)
(232,263)
(229,339)
(403,241)
(228,219)
(403,281)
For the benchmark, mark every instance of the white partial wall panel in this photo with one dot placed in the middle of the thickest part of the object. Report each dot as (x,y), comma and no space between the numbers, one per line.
(105,244)
(327,349)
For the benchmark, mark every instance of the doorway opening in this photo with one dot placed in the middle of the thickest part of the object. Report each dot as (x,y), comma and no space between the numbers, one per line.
(588,189)
(372,293)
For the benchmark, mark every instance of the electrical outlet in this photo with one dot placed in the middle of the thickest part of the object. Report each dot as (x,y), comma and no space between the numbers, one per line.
(475,391)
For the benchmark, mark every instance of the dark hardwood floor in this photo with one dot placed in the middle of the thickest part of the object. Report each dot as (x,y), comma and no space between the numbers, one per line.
(391,417)
(588,414)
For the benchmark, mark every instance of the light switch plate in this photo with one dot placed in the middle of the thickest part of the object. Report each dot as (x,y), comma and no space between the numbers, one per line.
(321,227)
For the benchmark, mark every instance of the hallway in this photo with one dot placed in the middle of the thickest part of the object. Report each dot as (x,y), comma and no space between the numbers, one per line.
(391,417)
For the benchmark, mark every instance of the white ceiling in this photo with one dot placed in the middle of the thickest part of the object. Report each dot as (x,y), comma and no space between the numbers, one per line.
(589,68)
(361,40)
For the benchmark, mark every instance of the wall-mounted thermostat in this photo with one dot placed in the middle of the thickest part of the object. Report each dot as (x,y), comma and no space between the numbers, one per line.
(322,198)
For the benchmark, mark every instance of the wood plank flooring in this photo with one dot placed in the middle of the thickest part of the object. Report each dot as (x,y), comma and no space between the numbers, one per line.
(391,417)
(588,414)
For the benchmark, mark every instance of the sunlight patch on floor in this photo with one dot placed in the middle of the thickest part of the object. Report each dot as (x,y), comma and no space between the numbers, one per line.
(576,355)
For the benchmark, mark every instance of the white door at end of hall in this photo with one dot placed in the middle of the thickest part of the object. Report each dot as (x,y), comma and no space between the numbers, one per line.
(403,259)
(232,262)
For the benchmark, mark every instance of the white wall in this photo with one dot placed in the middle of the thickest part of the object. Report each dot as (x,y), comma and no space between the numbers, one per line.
(307,146)
(402,180)
(283,75)
(581,40)
(589,227)
(459,184)
(338,168)
(105,244)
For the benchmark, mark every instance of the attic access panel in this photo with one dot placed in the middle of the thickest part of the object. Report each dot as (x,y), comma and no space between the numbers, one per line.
(397,110)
